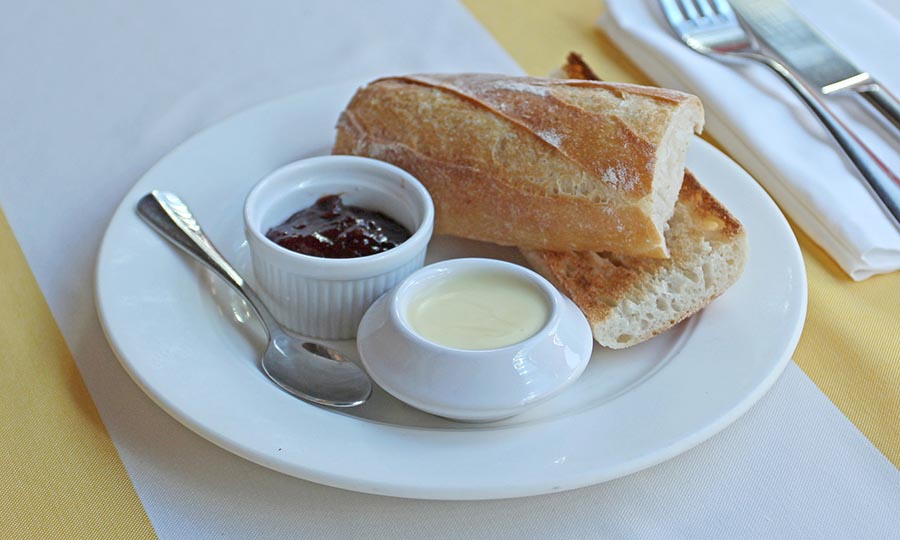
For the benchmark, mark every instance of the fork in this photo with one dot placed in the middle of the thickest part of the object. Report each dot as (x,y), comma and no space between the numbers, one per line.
(712,28)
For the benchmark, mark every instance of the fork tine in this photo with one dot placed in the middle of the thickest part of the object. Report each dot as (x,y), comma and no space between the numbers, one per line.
(706,8)
(672,11)
(689,9)
(723,7)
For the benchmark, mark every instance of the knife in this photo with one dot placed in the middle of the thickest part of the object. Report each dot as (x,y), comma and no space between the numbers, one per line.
(809,54)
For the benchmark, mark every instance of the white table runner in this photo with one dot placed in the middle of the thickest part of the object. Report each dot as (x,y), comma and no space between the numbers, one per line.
(96,91)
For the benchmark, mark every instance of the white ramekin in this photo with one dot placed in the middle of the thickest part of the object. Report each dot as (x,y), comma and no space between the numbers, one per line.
(326,298)
(472,385)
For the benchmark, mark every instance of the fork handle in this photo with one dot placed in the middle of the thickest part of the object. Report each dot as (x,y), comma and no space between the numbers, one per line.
(882,183)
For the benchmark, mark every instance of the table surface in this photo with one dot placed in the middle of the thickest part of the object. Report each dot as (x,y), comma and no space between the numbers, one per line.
(68,480)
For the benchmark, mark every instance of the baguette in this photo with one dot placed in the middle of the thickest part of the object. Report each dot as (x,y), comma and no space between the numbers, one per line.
(628,300)
(540,163)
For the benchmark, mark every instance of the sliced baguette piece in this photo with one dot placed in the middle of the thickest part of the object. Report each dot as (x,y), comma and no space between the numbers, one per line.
(540,163)
(628,300)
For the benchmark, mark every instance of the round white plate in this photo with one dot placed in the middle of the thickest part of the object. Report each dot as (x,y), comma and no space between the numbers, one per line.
(184,338)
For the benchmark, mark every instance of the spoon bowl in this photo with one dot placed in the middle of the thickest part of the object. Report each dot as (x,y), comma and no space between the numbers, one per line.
(310,370)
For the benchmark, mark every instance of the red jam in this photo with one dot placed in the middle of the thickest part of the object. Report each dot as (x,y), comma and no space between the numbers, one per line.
(333,230)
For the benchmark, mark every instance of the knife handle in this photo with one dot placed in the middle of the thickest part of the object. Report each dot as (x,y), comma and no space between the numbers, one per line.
(881,182)
(885,102)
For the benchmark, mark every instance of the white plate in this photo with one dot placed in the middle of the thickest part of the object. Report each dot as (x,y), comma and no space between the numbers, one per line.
(179,334)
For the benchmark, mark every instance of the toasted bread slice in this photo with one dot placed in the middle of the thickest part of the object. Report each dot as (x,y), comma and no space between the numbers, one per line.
(576,68)
(535,162)
(628,300)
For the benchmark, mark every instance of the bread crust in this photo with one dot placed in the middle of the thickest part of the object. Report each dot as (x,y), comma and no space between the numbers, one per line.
(515,160)
(577,68)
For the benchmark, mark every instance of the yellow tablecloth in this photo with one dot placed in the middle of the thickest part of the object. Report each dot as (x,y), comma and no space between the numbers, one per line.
(63,477)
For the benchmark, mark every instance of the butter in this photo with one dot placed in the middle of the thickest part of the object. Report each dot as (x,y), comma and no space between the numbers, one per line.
(478,310)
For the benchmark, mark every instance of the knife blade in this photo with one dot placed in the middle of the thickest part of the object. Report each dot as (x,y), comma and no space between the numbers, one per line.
(812,56)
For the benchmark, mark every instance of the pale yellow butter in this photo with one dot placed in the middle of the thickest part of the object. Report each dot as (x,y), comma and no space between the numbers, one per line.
(478,310)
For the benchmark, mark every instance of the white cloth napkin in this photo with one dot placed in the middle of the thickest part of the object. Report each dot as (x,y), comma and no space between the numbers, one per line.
(765,127)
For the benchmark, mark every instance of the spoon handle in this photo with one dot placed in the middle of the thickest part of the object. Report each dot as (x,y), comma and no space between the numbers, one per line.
(171,218)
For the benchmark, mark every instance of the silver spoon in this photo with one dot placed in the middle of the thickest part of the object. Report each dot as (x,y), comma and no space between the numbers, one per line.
(305,369)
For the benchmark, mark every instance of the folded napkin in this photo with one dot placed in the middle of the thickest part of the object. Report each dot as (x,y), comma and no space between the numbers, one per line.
(765,127)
